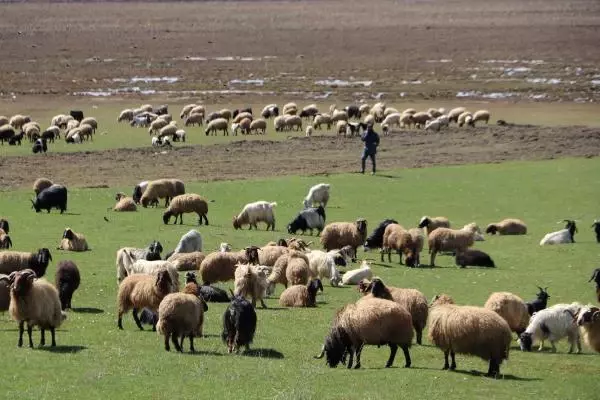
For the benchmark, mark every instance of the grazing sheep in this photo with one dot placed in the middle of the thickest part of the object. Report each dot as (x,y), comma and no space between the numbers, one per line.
(162,189)
(553,323)
(413,252)
(474,258)
(53,197)
(180,315)
(258,126)
(317,195)
(142,290)
(7,132)
(157,125)
(310,130)
(450,240)
(186,203)
(194,119)
(187,261)
(72,241)
(563,236)
(290,108)
(219,124)
(309,111)
(510,307)
(375,240)
(189,242)
(355,276)
(220,267)
(339,234)
(67,281)
(270,110)
(322,119)
(509,226)
(252,213)
(433,223)
(371,321)
(589,326)
(124,203)
(420,119)
(469,330)
(455,113)
(11,261)
(124,115)
(464,118)
(241,115)
(323,265)
(185,111)
(251,281)
(411,299)
(36,302)
(540,302)
(301,295)
(239,324)
(309,218)
(179,136)
(480,115)
(17,121)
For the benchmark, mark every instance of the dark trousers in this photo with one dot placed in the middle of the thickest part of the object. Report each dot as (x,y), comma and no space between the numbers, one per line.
(369,154)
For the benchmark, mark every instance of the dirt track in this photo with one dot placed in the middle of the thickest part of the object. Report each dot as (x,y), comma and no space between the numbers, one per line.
(300,156)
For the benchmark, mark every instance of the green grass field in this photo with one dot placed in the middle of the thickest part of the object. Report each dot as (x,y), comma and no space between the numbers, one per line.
(96,361)
(112,135)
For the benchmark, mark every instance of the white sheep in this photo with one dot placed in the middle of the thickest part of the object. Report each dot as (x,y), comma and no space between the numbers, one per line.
(553,323)
(189,242)
(323,265)
(355,276)
(258,126)
(392,119)
(219,124)
(317,194)
(252,213)
(480,115)
(454,113)
(309,131)
(566,235)
(321,119)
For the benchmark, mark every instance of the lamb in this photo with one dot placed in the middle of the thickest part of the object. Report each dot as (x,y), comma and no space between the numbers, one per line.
(162,188)
(13,140)
(309,218)
(540,302)
(508,226)
(510,307)
(239,324)
(589,326)
(72,241)
(219,124)
(469,330)
(124,203)
(433,223)
(36,302)
(301,295)
(317,194)
(451,240)
(480,115)
(475,258)
(142,290)
(340,127)
(596,226)
(220,267)
(243,125)
(563,236)
(187,261)
(258,126)
(375,240)
(433,125)
(186,203)
(180,315)
(355,276)
(67,281)
(373,321)
(323,265)
(251,281)
(310,130)
(11,261)
(411,299)
(339,234)
(252,213)
(179,135)
(53,197)
(454,113)
(553,323)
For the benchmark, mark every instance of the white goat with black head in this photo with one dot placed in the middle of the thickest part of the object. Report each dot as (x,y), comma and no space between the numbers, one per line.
(566,235)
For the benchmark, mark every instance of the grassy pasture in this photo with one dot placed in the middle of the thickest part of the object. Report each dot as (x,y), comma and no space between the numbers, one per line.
(96,359)
(113,135)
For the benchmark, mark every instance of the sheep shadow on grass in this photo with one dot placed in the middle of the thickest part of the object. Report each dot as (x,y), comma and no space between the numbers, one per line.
(63,349)
(507,377)
(88,310)
(263,353)
(203,353)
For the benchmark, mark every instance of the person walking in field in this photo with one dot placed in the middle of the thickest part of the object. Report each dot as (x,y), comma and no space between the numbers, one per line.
(371,141)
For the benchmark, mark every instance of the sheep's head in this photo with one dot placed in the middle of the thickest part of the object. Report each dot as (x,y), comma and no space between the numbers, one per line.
(525,341)
(155,247)
(163,281)
(252,255)
(119,196)
(225,248)
(492,229)
(43,258)
(190,277)
(425,221)
(543,294)
(571,226)
(441,299)
(348,252)
(335,346)
(364,286)
(282,242)
(411,259)
(588,315)
(361,226)
(166,216)
(236,223)
(21,281)
(378,289)
(68,234)
(35,205)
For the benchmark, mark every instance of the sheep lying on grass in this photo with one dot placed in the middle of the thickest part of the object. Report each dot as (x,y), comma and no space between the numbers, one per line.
(566,235)
(355,276)
(509,226)
(124,203)
(301,295)
(475,258)
(72,241)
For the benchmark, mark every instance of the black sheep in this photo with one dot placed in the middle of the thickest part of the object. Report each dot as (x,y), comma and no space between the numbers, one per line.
(475,258)
(48,135)
(4,225)
(67,281)
(239,324)
(16,139)
(53,197)
(596,278)
(39,146)
(596,226)
(208,293)
(375,240)
(313,287)
(77,114)
(540,302)
(353,111)
(161,110)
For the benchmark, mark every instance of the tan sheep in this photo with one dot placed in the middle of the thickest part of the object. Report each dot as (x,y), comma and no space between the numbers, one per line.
(510,307)
(157,125)
(258,126)
(420,118)
(162,189)
(589,326)
(433,223)
(218,124)
(268,255)
(469,330)
(464,118)
(291,267)
(374,322)
(293,122)
(395,237)
(200,109)
(142,290)
(413,253)
(454,113)
(450,240)
(290,108)
(301,295)
(124,203)
(185,111)
(17,121)
(91,121)
(321,119)
(226,113)
(339,234)
(480,115)
(509,226)
(220,266)
(41,184)
(168,130)
(187,203)
(340,127)
(187,261)
(125,115)
(180,315)
(251,281)
(194,119)
(72,241)
(241,116)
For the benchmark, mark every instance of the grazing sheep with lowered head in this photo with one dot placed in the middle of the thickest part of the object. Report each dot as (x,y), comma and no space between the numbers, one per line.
(318,194)
(553,323)
(339,234)
(186,203)
(509,226)
(309,218)
(301,295)
(252,213)
(53,197)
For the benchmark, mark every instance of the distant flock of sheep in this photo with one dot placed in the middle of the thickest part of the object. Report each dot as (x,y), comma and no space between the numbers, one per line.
(149,283)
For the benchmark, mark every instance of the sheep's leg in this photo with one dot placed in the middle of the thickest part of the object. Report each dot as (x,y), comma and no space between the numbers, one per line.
(137,319)
(382,255)
(494,369)
(174,338)
(205,219)
(29,333)
(167,337)
(42,337)
(192,350)
(407,360)
(399,256)
(120,320)
(21,330)
(393,350)
(389,254)
(358,352)
(432,260)
(419,335)
(446,364)
(578,340)
(554,347)
(453,365)
(262,303)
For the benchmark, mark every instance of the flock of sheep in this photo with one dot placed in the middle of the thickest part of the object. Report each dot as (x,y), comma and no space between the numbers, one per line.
(149,283)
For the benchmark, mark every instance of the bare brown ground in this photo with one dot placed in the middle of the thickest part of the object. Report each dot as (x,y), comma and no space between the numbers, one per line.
(300,156)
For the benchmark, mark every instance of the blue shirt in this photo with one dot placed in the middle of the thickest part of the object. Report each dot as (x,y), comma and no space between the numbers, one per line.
(371,140)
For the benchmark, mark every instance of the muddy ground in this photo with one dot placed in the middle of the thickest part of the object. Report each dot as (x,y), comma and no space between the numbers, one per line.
(300,156)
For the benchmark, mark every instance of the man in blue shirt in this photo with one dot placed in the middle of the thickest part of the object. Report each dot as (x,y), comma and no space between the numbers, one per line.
(371,140)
